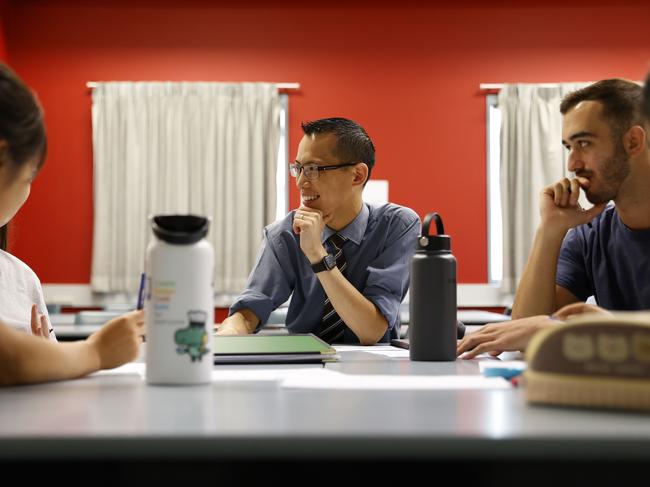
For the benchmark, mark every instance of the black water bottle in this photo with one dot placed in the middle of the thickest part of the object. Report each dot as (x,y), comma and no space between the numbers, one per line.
(432,305)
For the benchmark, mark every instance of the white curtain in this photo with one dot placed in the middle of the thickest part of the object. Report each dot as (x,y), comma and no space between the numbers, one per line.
(179,147)
(532,157)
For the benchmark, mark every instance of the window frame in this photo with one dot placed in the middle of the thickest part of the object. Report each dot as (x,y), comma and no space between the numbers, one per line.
(282,173)
(494,214)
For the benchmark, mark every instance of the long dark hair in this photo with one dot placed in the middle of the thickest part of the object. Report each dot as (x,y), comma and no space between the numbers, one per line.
(21,127)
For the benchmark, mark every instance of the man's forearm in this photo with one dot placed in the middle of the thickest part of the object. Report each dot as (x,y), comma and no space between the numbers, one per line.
(357,311)
(536,291)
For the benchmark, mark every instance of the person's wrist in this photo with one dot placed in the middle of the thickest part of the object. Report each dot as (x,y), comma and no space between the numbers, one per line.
(236,324)
(227,329)
(91,348)
(316,257)
(552,232)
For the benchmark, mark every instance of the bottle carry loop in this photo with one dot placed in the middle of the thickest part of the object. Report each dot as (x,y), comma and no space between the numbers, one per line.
(435,243)
(440,229)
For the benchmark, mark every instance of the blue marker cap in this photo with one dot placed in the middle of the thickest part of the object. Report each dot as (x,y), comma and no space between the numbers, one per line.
(505,372)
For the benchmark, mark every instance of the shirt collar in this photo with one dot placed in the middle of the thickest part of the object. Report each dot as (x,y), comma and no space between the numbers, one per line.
(355,230)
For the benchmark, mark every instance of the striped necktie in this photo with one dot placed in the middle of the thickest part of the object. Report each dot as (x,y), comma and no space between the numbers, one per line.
(332,326)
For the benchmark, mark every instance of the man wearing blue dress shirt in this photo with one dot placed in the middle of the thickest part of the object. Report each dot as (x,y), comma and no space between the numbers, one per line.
(345,263)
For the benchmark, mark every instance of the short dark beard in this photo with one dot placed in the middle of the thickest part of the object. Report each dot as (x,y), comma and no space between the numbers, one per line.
(614,171)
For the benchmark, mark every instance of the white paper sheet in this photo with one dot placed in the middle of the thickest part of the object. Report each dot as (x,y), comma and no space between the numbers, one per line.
(313,373)
(363,348)
(397,382)
(391,353)
(317,377)
(228,374)
(384,350)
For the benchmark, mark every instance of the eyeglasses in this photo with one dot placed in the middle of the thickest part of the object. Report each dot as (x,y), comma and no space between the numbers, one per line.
(312,171)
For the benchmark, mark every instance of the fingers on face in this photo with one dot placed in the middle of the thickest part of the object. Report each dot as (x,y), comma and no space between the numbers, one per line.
(575,192)
(305,221)
(562,192)
(297,225)
(305,213)
(558,189)
(311,216)
(294,224)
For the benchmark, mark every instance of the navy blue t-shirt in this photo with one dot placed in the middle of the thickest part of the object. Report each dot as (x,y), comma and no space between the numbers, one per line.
(608,261)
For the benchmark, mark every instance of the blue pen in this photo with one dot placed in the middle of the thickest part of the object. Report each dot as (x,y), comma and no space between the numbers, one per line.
(141,291)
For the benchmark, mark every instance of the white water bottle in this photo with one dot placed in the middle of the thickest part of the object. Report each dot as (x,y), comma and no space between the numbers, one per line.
(179,301)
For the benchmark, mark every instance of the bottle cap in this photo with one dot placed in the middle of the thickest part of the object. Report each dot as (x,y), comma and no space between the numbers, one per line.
(180,229)
(433,243)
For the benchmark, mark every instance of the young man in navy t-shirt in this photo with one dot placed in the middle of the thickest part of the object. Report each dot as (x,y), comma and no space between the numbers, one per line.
(602,252)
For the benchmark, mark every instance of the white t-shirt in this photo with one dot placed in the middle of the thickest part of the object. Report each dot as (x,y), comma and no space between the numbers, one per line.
(19,289)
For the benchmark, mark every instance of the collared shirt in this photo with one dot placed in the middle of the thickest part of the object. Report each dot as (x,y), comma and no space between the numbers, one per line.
(609,261)
(381,242)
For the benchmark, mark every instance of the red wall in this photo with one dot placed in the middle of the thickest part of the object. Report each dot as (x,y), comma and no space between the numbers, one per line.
(409,74)
(3,39)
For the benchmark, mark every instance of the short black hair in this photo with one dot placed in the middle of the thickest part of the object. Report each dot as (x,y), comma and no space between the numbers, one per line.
(621,100)
(353,142)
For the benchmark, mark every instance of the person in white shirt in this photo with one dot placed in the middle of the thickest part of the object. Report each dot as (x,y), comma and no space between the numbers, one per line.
(20,292)
(28,352)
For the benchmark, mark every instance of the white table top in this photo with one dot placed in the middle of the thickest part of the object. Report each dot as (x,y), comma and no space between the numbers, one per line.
(116,415)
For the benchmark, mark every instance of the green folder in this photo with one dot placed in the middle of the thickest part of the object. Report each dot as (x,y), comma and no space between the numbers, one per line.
(299,348)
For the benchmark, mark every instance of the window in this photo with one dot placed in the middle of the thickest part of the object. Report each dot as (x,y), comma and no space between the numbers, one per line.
(180,157)
(282,174)
(495,235)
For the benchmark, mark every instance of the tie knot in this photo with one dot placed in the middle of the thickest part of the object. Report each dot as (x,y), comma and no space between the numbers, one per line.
(337,240)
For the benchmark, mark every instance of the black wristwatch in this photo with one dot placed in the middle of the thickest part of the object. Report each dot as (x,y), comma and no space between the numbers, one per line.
(327,264)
